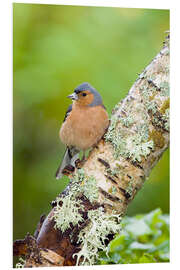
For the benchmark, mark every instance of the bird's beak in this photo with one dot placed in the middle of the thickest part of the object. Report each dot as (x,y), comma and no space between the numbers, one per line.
(73,96)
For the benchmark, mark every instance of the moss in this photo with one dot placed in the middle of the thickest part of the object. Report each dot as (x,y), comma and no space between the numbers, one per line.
(93,237)
(165,106)
(157,138)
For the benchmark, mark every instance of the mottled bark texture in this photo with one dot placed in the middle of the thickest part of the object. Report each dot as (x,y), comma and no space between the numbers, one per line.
(87,214)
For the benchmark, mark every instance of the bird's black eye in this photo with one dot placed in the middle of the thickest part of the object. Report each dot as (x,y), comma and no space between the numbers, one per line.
(84,94)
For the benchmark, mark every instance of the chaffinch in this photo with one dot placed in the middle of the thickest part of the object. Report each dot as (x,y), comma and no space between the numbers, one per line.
(85,122)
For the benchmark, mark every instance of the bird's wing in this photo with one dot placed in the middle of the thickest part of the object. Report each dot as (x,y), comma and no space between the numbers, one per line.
(67,112)
(70,156)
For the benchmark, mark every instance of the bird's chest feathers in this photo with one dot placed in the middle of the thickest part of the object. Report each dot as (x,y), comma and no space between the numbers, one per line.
(84,126)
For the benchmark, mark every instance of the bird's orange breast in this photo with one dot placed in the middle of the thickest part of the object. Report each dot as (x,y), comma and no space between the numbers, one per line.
(84,126)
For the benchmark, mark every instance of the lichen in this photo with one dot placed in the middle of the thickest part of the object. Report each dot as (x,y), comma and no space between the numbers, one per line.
(68,207)
(129,188)
(130,145)
(148,94)
(21,263)
(92,238)
(127,121)
(112,190)
(164,88)
(140,149)
(165,117)
(90,189)
(113,171)
(68,213)
(109,136)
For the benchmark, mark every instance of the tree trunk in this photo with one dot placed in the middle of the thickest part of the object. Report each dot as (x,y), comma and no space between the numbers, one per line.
(87,214)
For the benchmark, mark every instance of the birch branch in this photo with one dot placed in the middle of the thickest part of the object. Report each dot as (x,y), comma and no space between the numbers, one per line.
(87,214)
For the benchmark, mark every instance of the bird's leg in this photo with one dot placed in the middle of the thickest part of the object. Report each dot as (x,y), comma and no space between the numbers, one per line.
(79,162)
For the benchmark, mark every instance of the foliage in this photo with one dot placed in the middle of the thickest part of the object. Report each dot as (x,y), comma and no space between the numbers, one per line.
(144,239)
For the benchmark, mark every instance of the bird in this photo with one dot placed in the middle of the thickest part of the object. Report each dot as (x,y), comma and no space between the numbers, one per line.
(85,122)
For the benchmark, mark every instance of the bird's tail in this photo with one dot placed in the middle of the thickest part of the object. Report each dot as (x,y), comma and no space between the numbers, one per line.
(69,158)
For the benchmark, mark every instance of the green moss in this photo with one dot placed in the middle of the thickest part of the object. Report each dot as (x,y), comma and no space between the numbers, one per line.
(165,106)
(157,138)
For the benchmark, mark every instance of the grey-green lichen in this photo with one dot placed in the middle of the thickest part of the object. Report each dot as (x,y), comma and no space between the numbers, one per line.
(127,121)
(114,190)
(90,189)
(139,148)
(132,146)
(68,207)
(129,188)
(148,94)
(68,212)
(164,88)
(112,171)
(92,238)
(160,116)
(21,263)
(109,136)
(166,120)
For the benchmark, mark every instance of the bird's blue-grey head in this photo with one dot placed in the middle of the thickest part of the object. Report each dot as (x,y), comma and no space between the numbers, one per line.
(87,87)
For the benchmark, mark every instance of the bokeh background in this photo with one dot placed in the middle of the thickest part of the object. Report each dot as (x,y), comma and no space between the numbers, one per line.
(55,48)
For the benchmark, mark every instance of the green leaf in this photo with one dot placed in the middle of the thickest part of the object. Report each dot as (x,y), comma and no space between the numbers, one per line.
(147,258)
(144,239)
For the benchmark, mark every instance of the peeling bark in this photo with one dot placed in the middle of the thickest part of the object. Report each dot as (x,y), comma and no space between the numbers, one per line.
(137,137)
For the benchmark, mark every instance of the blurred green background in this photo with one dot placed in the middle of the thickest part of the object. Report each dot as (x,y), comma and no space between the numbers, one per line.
(55,48)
